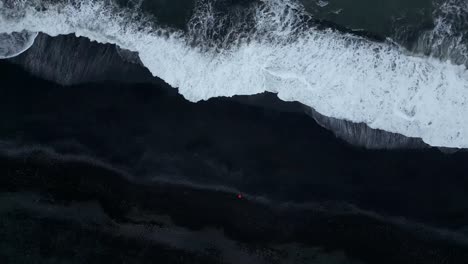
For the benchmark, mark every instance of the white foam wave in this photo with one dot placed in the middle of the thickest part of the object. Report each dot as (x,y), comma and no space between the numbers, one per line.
(12,45)
(339,75)
(449,37)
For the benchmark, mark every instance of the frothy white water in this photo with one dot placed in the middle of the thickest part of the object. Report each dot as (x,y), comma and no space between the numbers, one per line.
(339,75)
(13,44)
(449,38)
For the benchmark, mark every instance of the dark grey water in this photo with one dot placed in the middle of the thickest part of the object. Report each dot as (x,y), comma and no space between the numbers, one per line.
(381,17)
(405,22)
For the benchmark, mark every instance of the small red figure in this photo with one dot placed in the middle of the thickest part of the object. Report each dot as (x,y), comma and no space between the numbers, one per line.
(239,196)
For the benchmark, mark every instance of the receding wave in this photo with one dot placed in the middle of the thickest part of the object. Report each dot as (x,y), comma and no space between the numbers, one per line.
(15,43)
(273,46)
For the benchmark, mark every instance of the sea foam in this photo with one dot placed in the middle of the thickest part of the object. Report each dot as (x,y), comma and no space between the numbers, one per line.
(13,44)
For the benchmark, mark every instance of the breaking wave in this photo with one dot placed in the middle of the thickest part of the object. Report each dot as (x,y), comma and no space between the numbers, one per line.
(449,38)
(273,45)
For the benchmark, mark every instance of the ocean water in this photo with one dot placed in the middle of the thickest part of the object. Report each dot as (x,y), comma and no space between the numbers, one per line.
(395,66)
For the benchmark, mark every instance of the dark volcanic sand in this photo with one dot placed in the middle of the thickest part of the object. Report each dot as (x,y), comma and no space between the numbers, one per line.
(81,164)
